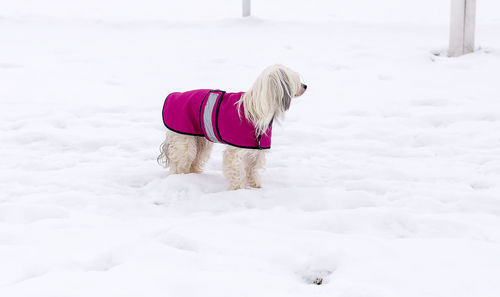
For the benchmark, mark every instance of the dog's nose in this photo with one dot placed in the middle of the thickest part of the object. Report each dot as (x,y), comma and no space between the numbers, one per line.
(304,86)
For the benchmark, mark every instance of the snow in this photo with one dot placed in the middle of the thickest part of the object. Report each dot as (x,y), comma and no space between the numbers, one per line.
(383,180)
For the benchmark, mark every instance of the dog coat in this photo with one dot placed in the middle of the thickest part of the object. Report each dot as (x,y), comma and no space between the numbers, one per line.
(214,115)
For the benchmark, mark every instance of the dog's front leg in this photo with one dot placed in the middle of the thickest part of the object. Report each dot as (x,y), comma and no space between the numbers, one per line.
(234,168)
(255,160)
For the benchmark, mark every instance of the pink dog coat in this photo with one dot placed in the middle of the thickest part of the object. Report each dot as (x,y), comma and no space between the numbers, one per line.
(214,115)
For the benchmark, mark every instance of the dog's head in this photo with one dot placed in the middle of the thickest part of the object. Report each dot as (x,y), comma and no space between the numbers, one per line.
(282,84)
(271,95)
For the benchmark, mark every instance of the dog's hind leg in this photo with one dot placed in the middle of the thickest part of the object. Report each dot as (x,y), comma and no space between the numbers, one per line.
(178,152)
(203,149)
(255,160)
(234,167)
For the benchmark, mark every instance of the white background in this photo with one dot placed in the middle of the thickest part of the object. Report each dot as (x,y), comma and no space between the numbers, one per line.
(383,180)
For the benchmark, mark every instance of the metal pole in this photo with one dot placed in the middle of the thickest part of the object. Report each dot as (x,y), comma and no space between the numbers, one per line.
(246,8)
(462,27)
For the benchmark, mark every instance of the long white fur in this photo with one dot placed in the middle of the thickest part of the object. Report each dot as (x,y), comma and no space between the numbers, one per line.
(268,99)
(270,96)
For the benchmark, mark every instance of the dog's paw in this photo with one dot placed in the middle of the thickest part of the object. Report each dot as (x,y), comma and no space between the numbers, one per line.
(196,170)
(255,185)
(235,187)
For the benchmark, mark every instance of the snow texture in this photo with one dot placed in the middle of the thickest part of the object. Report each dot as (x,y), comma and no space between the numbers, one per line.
(383,180)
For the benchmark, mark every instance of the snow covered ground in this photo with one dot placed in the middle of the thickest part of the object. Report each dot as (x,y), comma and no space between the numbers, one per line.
(384,179)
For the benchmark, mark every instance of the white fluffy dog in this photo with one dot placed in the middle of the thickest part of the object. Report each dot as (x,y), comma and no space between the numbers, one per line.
(267,100)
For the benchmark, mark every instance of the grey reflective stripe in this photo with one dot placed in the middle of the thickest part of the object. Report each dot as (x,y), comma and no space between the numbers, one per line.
(207,116)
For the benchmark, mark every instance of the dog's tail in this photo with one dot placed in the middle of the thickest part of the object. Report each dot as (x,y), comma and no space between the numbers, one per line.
(162,158)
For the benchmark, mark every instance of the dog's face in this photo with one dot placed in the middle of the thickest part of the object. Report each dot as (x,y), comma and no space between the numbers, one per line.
(271,95)
(284,84)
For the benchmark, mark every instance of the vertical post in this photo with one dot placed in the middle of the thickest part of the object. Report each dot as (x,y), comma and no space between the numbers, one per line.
(462,27)
(246,8)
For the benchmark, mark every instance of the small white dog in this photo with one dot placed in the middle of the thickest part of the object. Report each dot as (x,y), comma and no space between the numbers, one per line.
(243,121)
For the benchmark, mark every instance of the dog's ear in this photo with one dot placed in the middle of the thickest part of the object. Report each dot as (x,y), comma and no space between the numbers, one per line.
(285,101)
